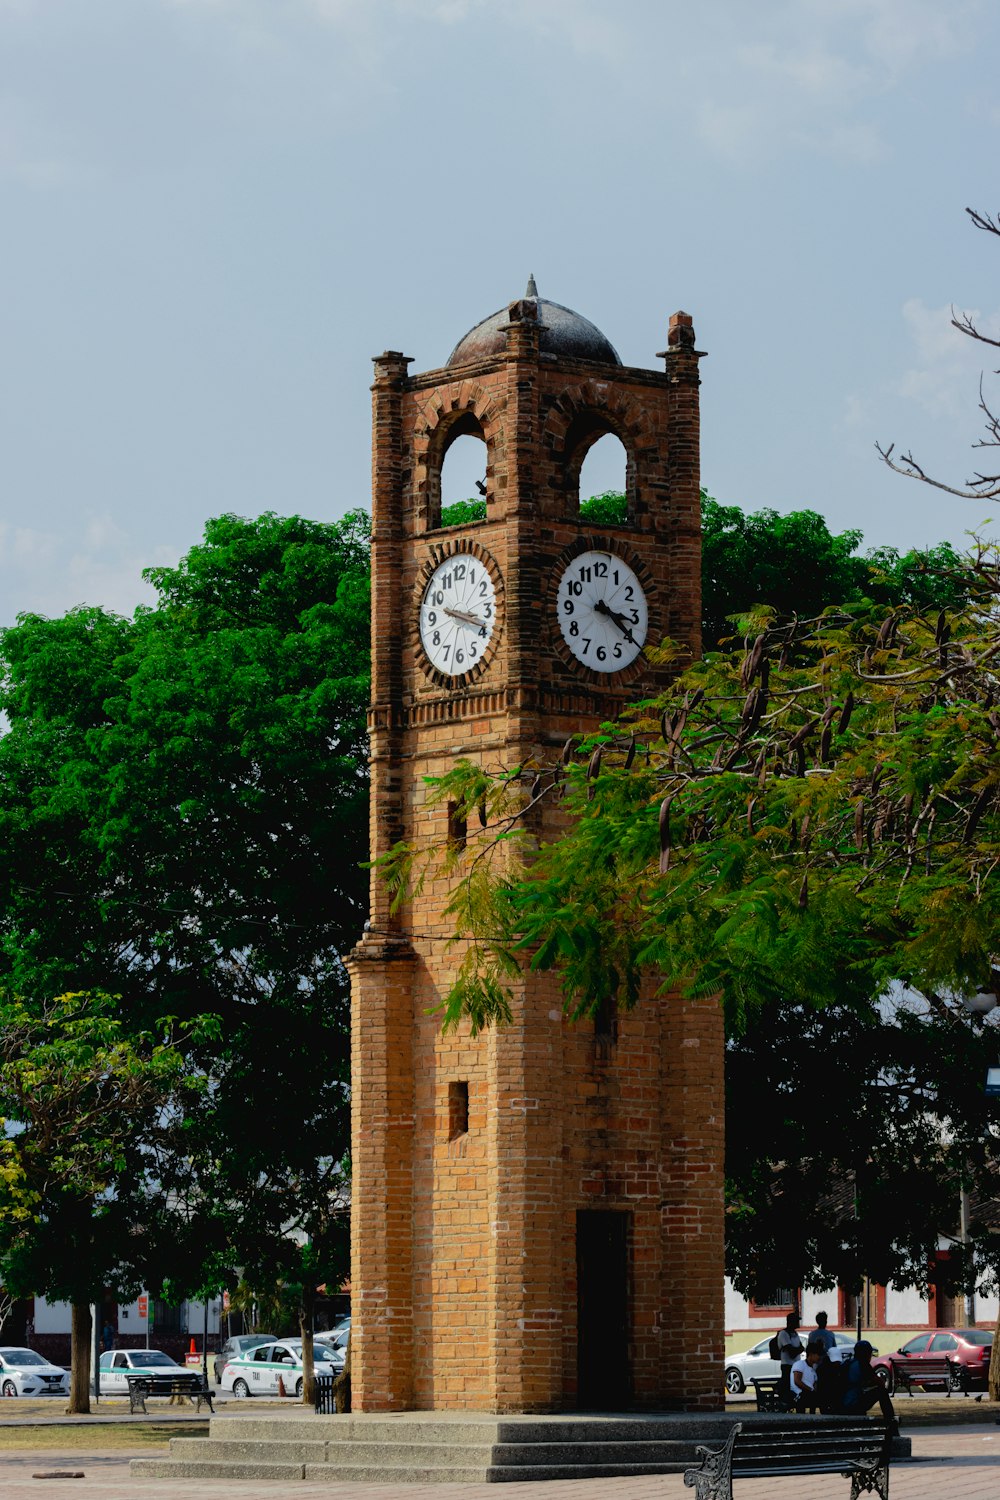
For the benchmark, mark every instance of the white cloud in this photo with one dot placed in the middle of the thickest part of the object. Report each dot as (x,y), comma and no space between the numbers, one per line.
(947,362)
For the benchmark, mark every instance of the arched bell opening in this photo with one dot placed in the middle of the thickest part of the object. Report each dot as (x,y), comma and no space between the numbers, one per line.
(460,479)
(600,474)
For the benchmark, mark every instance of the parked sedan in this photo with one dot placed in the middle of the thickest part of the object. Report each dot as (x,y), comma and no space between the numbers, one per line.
(970,1347)
(239,1344)
(276,1369)
(757,1364)
(117,1364)
(25,1373)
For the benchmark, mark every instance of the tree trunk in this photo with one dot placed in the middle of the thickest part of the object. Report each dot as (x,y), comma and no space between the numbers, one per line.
(306,1311)
(995,1364)
(81,1341)
(342,1384)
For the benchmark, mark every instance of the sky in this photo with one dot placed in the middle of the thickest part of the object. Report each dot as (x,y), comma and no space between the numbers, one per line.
(213,213)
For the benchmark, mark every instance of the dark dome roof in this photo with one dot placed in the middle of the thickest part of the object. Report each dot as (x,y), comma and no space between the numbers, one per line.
(563,332)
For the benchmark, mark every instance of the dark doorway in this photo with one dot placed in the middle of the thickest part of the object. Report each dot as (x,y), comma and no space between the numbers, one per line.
(603,1301)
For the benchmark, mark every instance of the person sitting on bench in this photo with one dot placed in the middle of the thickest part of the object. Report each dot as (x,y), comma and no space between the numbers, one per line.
(862,1387)
(802,1382)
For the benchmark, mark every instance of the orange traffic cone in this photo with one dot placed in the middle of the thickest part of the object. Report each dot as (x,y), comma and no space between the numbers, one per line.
(193,1350)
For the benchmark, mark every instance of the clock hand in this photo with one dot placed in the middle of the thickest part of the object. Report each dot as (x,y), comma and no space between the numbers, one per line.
(467,619)
(600,608)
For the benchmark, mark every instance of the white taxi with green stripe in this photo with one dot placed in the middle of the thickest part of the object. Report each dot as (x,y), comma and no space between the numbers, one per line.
(276,1369)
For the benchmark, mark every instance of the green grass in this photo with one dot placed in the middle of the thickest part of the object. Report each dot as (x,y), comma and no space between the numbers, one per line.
(77,1436)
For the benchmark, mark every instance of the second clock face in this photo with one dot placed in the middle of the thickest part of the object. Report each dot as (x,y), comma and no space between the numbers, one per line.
(602,611)
(458,611)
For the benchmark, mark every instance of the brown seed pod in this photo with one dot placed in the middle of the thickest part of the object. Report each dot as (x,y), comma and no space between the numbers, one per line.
(665,834)
(845,714)
(824,744)
(859,825)
(567,752)
(804,893)
(536,789)
(629,754)
(801,735)
(981,804)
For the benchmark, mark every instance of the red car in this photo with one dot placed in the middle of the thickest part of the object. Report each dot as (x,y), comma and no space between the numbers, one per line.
(960,1346)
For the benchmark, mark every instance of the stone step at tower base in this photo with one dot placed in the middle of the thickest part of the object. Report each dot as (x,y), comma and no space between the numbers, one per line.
(426,1447)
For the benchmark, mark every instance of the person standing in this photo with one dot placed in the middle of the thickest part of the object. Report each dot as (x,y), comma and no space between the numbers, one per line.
(821,1334)
(789,1349)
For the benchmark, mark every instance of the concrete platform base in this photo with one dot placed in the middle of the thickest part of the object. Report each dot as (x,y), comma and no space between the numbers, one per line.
(438,1448)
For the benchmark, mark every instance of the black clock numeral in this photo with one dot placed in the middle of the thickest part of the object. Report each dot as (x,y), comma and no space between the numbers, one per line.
(586,644)
(615,576)
(584,575)
(445,653)
(628,592)
(436,638)
(459,656)
(488,611)
(473,651)
(483,590)
(459,571)
(635,616)
(482,631)
(618,649)
(574,628)
(432,618)
(600,570)
(574,587)
(568,606)
(438,596)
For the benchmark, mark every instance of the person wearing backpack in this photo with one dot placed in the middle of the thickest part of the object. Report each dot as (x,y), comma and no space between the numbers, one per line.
(789,1347)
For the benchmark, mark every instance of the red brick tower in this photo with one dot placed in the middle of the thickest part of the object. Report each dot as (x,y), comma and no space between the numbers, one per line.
(537,1212)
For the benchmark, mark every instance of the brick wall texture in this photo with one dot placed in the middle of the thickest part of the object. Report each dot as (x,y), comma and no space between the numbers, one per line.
(464,1246)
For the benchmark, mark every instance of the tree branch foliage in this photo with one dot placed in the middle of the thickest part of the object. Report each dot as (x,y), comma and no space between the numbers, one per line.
(983,484)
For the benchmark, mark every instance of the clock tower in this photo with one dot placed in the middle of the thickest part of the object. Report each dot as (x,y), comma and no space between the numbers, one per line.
(537,1217)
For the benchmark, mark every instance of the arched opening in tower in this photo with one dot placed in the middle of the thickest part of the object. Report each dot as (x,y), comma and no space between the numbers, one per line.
(463,480)
(604,482)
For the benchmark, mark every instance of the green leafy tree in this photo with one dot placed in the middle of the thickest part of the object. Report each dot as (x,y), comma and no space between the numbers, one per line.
(183,809)
(83,1104)
(795,564)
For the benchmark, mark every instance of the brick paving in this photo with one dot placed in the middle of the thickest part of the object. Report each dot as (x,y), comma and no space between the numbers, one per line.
(951,1464)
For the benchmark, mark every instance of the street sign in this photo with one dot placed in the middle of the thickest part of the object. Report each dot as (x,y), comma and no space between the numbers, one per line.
(993,1080)
(143,1306)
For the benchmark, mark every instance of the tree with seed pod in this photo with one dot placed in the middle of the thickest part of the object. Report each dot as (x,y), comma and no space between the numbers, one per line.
(839,845)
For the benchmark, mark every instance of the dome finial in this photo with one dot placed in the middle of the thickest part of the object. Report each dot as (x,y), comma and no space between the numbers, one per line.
(532,290)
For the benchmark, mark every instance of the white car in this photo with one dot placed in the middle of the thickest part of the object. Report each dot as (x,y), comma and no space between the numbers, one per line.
(258,1372)
(117,1364)
(757,1364)
(25,1373)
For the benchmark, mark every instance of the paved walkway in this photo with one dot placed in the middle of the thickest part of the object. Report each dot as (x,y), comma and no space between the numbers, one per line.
(952,1464)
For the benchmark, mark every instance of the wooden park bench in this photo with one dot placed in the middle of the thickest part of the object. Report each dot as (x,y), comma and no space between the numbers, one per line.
(929,1369)
(858,1448)
(140,1387)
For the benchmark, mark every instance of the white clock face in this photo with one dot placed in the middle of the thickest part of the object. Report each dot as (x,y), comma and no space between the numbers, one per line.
(458,614)
(602,611)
